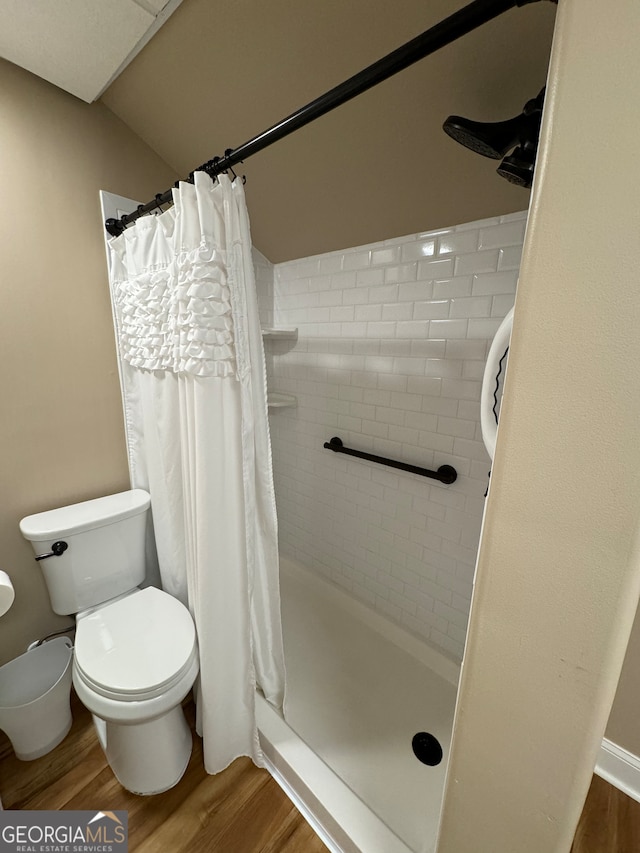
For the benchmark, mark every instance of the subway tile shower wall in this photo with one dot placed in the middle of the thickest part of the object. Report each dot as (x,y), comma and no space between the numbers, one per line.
(264,273)
(392,341)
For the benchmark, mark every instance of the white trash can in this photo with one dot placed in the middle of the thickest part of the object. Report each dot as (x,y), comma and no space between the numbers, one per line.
(35,690)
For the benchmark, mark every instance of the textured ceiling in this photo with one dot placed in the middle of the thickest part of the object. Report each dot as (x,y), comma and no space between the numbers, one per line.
(380,166)
(79,45)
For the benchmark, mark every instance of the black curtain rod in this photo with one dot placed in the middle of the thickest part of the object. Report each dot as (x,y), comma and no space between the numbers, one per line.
(461,22)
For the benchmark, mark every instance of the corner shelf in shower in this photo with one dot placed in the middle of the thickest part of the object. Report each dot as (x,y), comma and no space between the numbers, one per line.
(278,400)
(280,333)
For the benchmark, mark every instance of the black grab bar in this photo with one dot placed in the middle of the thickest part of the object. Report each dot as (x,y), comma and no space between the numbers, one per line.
(445,474)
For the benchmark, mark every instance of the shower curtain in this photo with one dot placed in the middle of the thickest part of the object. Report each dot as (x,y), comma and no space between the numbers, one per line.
(194,390)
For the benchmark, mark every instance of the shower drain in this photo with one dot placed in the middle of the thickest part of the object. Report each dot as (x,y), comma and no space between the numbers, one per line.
(427,749)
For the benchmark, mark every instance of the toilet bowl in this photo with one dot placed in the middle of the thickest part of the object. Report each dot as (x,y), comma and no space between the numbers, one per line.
(136,659)
(135,653)
(35,713)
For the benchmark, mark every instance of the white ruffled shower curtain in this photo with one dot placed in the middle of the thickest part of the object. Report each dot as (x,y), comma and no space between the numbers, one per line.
(195,405)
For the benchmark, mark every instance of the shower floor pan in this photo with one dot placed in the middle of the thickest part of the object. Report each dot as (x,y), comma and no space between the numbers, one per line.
(359,689)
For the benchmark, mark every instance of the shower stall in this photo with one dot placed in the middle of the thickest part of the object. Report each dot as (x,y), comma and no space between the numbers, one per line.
(385,346)
(382,348)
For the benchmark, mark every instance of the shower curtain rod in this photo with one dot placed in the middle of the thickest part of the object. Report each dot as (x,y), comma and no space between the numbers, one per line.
(456,25)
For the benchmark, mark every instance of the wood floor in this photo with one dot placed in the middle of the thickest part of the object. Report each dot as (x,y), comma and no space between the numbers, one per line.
(610,822)
(242,810)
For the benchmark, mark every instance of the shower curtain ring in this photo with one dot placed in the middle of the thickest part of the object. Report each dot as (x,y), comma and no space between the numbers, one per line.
(211,168)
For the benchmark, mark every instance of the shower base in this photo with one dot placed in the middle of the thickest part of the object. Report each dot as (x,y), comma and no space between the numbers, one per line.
(359,689)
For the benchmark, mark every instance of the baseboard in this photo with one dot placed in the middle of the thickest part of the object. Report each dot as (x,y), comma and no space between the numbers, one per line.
(620,768)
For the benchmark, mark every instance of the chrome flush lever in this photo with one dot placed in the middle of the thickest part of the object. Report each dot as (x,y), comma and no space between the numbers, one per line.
(57,549)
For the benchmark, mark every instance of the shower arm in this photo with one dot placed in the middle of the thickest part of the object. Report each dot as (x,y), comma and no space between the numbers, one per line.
(451,28)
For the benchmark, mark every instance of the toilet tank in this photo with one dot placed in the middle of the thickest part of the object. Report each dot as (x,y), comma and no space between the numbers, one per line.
(105,554)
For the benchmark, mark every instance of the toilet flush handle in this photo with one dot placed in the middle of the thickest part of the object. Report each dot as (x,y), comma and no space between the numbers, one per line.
(57,549)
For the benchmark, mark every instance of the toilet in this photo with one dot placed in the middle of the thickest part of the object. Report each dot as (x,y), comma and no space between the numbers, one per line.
(135,653)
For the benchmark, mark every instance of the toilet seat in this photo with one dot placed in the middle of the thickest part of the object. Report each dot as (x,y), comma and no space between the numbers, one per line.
(136,648)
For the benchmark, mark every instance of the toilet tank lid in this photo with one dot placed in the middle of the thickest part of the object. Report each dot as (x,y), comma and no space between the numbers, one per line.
(87,515)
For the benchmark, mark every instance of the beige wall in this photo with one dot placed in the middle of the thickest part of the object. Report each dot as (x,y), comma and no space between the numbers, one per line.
(623,727)
(559,564)
(375,168)
(61,435)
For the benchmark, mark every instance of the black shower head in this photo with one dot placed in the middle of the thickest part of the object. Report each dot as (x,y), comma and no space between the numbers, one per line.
(496,139)
(491,139)
(518,167)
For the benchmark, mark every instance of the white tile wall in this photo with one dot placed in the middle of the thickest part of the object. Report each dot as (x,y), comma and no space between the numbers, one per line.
(390,352)
(264,273)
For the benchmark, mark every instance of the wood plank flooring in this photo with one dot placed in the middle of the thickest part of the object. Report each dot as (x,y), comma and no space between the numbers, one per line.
(610,821)
(241,810)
